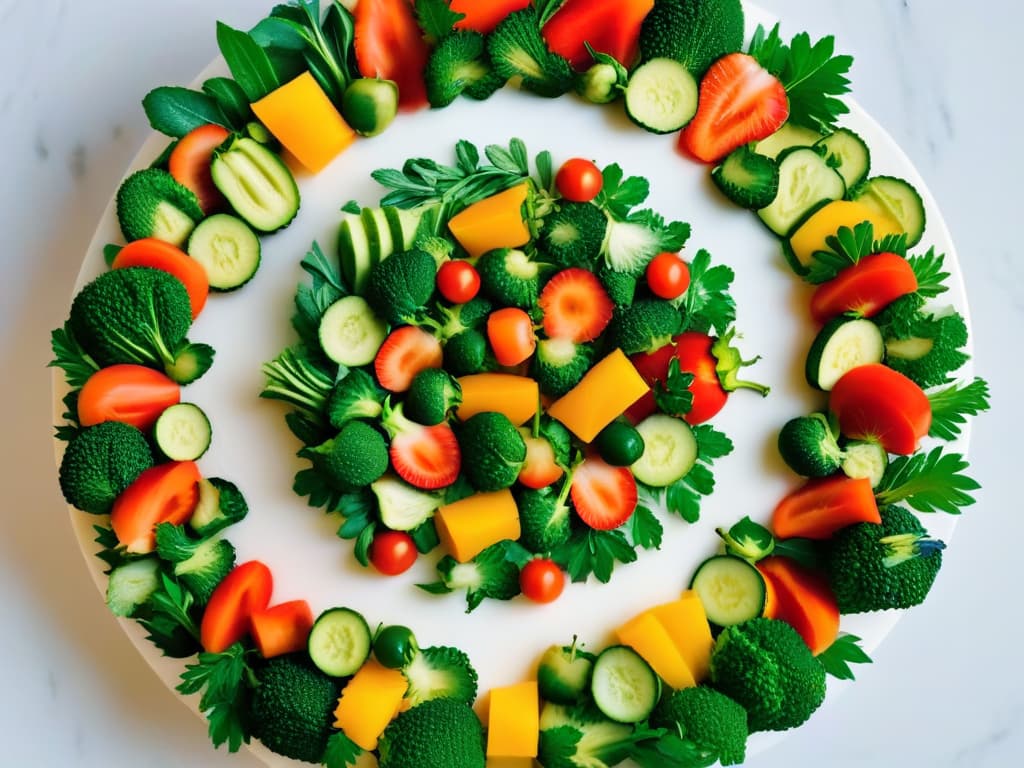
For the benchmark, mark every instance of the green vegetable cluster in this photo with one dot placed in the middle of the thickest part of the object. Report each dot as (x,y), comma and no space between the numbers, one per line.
(100,462)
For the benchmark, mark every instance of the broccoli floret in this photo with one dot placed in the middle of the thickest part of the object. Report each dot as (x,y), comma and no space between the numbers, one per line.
(356,396)
(748,179)
(459,64)
(509,278)
(100,462)
(497,449)
(150,203)
(544,517)
(877,567)
(432,395)
(766,666)
(630,245)
(620,286)
(292,707)
(400,286)
(467,353)
(930,349)
(451,321)
(442,733)
(518,50)
(808,445)
(201,564)
(693,32)
(353,458)
(440,672)
(572,236)
(220,504)
(897,319)
(573,737)
(132,584)
(489,575)
(133,315)
(559,364)
(708,718)
(644,326)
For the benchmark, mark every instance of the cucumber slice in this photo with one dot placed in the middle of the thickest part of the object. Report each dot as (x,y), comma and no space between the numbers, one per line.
(339,642)
(661,96)
(564,673)
(731,589)
(623,685)
(895,198)
(257,183)
(806,182)
(842,344)
(786,137)
(670,450)
(131,585)
(182,432)
(865,459)
(354,252)
(403,225)
(227,248)
(350,333)
(378,233)
(402,507)
(845,151)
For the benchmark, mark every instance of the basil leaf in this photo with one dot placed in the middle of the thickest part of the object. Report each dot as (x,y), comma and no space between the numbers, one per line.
(279,32)
(231,99)
(339,31)
(249,64)
(175,111)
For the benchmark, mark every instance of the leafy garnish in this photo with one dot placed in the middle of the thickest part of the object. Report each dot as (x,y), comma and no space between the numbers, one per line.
(847,247)
(838,657)
(683,497)
(618,195)
(931,482)
(341,751)
(171,618)
(589,551)
(70,428)
(297,379)
(231,99)
(112,552)
(546,9)
(930,277)
(645,529)
(69,356)
(225,680)
(249,64)
(953,404)
(110,251)
(673,395)
(436,18)
(326,286)
(707,304)
(806,552)
(174,111)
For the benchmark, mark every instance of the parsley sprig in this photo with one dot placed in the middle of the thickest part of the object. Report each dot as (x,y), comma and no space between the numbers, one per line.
(683,498)
(847,247)
(707,304)
(225,680)
(953,404)
(70,357)
(838,657)
(928,482)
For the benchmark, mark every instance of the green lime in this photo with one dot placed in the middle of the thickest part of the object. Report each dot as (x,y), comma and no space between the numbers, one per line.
(620,444)
(369,105)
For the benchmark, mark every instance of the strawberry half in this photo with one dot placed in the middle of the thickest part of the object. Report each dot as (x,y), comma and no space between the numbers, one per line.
(404,353)
(740,102)
(426,457)
(575,306)
(604,496)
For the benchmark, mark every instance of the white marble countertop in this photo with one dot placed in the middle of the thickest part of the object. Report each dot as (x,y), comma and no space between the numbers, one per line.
(945,689)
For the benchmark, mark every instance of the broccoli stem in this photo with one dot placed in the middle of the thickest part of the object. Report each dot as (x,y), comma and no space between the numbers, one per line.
(293,379)
(906,546)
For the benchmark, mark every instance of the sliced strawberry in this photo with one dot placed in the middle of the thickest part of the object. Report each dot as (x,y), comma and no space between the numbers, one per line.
(190,160)
(404,353)
(740,102)
(575,306)
(426,457)
(604,496)
(540,469)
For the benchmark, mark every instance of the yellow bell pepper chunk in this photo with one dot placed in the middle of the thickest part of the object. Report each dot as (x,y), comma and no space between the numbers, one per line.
(495,222)
(304,120)
(468,527)
(513,722)
(687,625)
(514,396)
(811,235)
(646,635)
(369,702)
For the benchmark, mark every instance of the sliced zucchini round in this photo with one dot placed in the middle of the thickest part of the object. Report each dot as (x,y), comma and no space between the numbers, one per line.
(806,182)
(227,248)
(661,96)
(256,182)
(731,589)
(350,332)
(623,685)
(563,674)
(182,432)
(787,137)
(895,198)
(865,459)
(339,642)
(844,343)
(670,450)
(845,151)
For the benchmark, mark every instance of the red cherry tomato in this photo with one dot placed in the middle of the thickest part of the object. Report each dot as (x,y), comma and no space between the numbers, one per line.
(579,180)
(458,281)
(541,580)
(510,332)
(668,276)
(392,552)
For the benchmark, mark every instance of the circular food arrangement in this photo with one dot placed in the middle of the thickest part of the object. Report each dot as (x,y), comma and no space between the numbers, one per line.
(622,475)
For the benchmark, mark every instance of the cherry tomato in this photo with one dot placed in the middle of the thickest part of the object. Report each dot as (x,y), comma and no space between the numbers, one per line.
(693,350)
(541,580)
(395,646)
(458,281)
(668,276)
(579,180)
(392,552)
(510,332)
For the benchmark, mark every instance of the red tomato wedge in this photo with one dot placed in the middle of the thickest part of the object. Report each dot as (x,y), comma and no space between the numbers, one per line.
(874,402)
(821,507)
(612,28)
(865,289)
(227,618)
(157,254)
(483,15)
(190,161)
(166,493)
(803,599)
(510,332)
(390,45)
(131,394)
(540,468)
(603,496)
(282,628)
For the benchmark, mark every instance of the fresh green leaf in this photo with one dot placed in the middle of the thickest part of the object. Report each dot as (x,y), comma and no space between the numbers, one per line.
(806,552)
(927,482)
(341,751)
(953,404)
(358,510)
(673,395)
(231,99)
(618,195)
(847,247)
(931,279)
(308,482)
(425,537)
(225,680)
(838,657)
(361,550)
(707,304)
(669,749)
(593,552)
(69,356)
(546,9)
(711,444)
(353,207)
(172,619)
(435,18)
(249,64)
(113,552)
(645,530)
(110,251)
(175,111)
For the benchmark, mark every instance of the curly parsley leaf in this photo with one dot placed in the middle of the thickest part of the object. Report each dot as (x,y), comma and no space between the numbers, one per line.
(928,268)
(838,657)
(341,751)
(847,247)
(673,395)
(70,357)
(618,195)
(953,404)
(928,482)
(225,680)
(171,618)
(113,552)
(707,303)
(645,529)
(594,552)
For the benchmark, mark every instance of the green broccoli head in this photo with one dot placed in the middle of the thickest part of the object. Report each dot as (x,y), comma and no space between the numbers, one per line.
(440,672)
(572,236)
(621,286)
(808,445)
(897,320)
(201,564)
(441,248)
(489,575)
(509,278)
(432,395)
(460,64)
(875,567)
(766,666)
(544,518)
(559,364)
(449,322)
(353,458)
(100,462)
(220,504)
(518,50)
(693,32)
(467,353)
(644,326)
(292,706)
(150,203)
(356,396)
(707,718)
(748,179)
(929,349)
(441,733)
(497,448)
(401,285)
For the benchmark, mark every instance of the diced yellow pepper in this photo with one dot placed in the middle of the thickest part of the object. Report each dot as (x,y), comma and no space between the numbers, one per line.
(513,722)
(514,396)
(810,237)
(369,702)
(646,635)
(468,527)
(687,624)
(495,222)
(509,762)
(608,389)
(304,120)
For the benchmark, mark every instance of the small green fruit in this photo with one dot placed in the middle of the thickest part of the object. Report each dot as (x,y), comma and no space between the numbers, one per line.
(369,105)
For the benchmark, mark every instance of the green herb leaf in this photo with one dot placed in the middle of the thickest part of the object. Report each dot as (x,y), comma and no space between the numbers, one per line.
(645,530)
(341,751)
(425,537)
(110,251)
(435,18)
(249,64)
(231,99)
(69,356)
(673,395)
(361,550)
(113,552)
(594,552)
(226,680)
(619,196)
(806,552)
(931,279)
(546,9)
(931,482)
(953,404)
(707,304)
(838,657)
(175,111)
(171,619)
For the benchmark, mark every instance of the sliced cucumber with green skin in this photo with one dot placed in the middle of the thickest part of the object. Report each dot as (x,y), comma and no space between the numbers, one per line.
(865,459)
(670,450)
(130,585)
(844,343)
(227,248)
(183,432)
(402,507)
(339,642)
(378,234)
(786,137)
(895,198)
(564,673)
(367,238)
(623,685)
(354,252)
(806,182)
(845,151)
(256,183)
(730,588)
(661,96)
(402,224)
(350,332)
